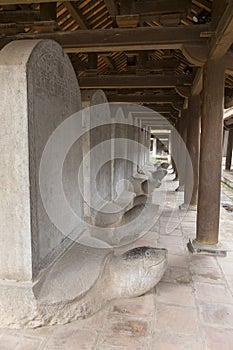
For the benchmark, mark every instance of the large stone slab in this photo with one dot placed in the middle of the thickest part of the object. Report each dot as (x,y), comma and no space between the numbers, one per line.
(39,90)
(97,165)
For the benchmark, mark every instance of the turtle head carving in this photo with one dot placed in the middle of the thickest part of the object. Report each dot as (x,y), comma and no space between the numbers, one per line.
(147,255)
(138,270)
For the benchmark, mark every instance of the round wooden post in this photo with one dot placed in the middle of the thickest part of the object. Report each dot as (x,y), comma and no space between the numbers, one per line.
(183,134)
(229,150)
(193,146)
(208,210)
(174,152)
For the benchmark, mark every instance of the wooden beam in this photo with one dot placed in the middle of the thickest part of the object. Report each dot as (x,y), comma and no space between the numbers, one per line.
(218,8)
(48,11)
(196,55)
(17,16)
(119,39)
(112,8)
(16,2)
(77,15)
(161,7)
(183,91)
(126,7)
(164,109)
(156,65)
(145,98)
(134,81)
(223,38)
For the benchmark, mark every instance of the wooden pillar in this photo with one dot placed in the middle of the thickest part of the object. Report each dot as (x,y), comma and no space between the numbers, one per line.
(193,146)
(183,133)
(174,152)
(229,150)
(208,210)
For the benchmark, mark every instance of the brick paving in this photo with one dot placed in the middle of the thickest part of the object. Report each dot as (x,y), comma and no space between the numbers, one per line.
(190,309)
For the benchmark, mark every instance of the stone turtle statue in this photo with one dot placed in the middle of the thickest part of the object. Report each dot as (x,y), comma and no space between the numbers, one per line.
(130,274)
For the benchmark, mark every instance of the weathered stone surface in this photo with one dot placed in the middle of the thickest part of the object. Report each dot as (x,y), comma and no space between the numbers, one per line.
(130,274)
(97,167)
(42,93)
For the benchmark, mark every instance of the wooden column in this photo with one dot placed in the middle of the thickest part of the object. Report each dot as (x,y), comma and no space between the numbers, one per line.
(174,152)
(183,133)
(211,152)
(193,146)
(229,150)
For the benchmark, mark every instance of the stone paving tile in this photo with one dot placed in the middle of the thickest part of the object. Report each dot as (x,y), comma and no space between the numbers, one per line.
(230,283)
(10,342)
(177,275)
(164,230)
(176,319)
(203,261)
(227,245)
(217,339)
(94,322)
(228,258)
(71,337)
(206,274)
(213,293)
(171,240)
(220,315)
(172,248)
(41,332)
(131,333)
(171,341)
(178,294)
(227,267)
(109,347)
(177,260)
(141,306)
(189,235)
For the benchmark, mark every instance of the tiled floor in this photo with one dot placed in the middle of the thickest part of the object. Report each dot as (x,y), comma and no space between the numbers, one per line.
(190,309)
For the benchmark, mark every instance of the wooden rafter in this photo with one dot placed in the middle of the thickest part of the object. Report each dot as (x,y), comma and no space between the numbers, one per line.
(80,19)
(76,14)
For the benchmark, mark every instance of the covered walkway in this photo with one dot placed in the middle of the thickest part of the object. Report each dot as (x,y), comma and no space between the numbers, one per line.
(191,308)
(86,88)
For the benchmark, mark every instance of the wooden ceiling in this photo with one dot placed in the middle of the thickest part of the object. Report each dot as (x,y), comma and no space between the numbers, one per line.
(138,57)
